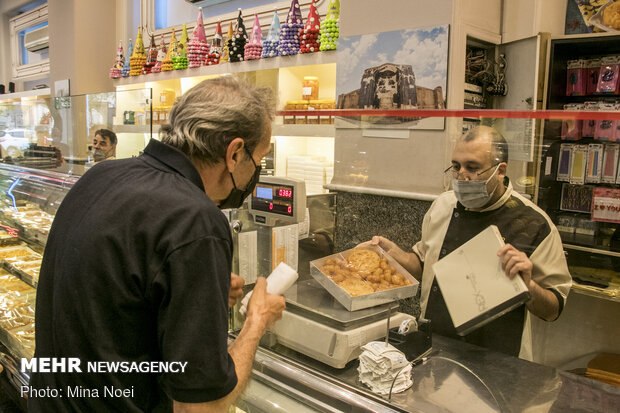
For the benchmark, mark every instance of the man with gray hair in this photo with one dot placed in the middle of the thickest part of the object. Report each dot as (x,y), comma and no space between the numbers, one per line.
(482,195)
(140,271)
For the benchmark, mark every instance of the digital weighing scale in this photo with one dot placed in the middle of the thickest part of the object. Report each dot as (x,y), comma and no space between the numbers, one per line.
(317,325)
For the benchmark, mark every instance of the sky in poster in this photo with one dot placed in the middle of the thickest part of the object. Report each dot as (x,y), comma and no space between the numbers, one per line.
(426,50)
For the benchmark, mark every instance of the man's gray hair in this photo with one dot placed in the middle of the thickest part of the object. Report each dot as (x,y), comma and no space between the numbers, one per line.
(210,115)
(499,144)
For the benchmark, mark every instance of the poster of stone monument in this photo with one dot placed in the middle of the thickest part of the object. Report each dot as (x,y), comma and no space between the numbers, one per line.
(403,69)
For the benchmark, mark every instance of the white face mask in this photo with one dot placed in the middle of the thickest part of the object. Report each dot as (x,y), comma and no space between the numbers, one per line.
(473,194)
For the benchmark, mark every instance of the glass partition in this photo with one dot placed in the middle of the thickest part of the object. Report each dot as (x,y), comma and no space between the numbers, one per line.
(57,133)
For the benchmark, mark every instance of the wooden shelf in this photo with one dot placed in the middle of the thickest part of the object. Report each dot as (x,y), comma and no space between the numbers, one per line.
(304,59)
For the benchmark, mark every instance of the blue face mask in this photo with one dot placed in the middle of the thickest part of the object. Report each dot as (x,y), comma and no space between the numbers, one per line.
(473,194)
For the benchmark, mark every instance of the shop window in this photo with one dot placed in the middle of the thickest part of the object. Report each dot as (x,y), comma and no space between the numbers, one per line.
(29,43)
(27,56)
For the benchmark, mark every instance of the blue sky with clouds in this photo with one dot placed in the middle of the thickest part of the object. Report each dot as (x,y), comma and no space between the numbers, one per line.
(426,50)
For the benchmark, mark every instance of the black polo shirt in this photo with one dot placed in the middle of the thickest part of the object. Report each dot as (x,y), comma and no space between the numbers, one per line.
(524,228)
(137,268)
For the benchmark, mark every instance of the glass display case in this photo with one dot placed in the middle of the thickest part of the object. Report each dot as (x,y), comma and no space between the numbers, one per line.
(56,133)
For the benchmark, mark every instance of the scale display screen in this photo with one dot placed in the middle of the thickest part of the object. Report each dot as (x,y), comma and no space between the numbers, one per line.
(277,199)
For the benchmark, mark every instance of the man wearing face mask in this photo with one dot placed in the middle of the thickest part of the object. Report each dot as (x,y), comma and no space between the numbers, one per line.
(140,271)
(482,196)
(104,145)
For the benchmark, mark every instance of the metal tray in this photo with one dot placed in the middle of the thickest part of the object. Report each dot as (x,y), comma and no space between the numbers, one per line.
(368,300)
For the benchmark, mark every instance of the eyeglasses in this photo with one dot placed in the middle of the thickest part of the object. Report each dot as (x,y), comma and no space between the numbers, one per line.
(454,171)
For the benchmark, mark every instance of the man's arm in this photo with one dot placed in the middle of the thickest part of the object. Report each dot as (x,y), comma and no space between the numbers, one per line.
(264,310)
(543,303)
(409,260)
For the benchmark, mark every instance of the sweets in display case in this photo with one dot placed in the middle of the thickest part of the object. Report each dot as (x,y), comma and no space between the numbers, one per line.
(310,34)
(289,31)
(197,48)
(138,58)
(236,44)
(329,28)
(271,42)
(254,48)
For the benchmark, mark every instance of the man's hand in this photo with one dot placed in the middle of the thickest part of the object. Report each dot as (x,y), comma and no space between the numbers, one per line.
(387,245)
(264,308)
(515,262)
(236,289)
(409,260)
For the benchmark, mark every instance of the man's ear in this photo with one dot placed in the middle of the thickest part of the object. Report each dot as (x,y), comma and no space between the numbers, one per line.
(234,153)
(503,168)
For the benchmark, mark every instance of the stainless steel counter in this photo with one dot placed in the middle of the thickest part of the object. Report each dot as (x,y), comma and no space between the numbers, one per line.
(458,377)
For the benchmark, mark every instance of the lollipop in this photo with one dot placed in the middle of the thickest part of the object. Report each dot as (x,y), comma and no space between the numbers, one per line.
(270,44)
(289,31)
(254,48)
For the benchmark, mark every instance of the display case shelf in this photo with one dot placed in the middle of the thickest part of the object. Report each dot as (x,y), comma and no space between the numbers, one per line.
(303,130)
(237,67)
(28,93)
(133,128)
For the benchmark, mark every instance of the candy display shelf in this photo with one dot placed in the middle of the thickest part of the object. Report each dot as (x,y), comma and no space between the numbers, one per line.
(231,68)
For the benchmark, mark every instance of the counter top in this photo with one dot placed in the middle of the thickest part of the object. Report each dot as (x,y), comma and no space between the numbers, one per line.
(458,377)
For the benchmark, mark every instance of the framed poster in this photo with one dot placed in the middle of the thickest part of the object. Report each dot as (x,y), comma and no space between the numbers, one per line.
(402,69)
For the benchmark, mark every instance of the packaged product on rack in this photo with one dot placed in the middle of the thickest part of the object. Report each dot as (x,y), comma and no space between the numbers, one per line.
(310,88)
(575,78)
(289,31)
(605,129)
(595,163)
(151,57)
(571,128)
(162,52)
(608,76)
(593,69)
(578,164)
(330,27)
(588,126)
(198,48)
(116,70)
(215,49)
(236,44)
(126,64)
(225,52)
(271,42)
(138,58)
(179,58)
(609,170)
(254,48)
(310,34)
